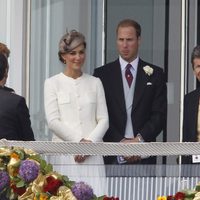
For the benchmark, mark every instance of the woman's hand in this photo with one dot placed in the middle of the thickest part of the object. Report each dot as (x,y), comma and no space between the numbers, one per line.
(81,158)
(86,141)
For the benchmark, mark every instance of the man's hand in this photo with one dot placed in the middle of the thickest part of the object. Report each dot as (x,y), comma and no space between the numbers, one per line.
(130,140)
(131,159)
(86,141)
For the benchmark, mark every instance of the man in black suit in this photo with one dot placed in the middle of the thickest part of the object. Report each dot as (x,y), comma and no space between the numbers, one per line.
(135,93)
(15,121)
(191,116)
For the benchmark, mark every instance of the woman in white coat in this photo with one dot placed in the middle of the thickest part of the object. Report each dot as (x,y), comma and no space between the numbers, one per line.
(76,111)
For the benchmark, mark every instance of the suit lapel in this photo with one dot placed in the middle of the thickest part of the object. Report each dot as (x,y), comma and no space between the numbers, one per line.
(141,80)
(117,85)
(194,109)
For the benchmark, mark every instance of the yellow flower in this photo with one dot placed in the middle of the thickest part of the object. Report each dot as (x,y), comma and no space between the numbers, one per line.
(162,198)
(43,197)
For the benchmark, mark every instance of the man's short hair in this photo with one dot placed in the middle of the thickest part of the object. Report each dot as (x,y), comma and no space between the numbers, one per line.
(132,23)
(3,65)
(195,54)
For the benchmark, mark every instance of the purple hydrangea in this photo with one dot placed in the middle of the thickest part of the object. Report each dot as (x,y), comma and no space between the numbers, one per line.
(4,180)
(29,170)
(82,191)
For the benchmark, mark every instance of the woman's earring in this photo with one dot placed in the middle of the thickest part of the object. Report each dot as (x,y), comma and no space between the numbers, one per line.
(64,61)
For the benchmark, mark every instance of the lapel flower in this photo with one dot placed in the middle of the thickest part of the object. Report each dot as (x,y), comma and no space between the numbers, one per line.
(148,70)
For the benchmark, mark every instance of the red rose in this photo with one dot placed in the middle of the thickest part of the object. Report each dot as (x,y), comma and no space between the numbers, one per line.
(52,185)
(18,190)
(170,197)
(179,196)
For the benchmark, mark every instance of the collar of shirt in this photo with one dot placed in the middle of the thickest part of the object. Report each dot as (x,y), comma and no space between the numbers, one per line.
(124,63)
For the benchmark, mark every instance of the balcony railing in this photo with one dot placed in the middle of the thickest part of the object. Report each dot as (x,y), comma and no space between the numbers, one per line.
(128,182)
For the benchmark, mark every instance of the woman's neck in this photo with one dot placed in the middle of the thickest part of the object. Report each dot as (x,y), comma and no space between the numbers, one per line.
(73,73)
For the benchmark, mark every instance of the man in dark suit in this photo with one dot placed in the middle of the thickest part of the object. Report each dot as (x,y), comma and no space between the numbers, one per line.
(15,121)
(135,93)
(191,116)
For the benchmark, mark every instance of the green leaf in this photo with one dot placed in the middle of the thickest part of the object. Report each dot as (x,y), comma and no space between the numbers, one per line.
(48,168)
(197,188)
(21,183)
(188,198)
(43,164)
(20,152)
(98,198)
(65,178)
(16,179)
(67,182)
(36,157)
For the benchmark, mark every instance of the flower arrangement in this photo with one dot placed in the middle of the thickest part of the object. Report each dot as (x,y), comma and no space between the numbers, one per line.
(184,195)
(24,175)
(148,70)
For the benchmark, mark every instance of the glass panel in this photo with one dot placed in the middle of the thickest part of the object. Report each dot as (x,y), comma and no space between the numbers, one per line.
(49,21)
(161,42)
(128,182)
(161,45)
(151,15)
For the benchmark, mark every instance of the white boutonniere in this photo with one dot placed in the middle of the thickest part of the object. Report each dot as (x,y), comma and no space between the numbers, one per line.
(148,70)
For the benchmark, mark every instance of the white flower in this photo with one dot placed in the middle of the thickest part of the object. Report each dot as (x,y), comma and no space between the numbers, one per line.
(148,70)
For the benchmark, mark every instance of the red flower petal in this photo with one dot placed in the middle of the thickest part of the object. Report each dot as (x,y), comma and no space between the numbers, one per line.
(52,185)
(170,197)
(19,191)
(179,196)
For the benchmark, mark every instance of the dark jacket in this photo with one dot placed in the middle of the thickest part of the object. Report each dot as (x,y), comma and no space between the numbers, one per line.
(149,108)
(15,121)
(190,117)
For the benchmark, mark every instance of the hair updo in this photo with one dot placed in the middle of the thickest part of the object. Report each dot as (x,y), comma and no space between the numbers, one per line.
(70,41)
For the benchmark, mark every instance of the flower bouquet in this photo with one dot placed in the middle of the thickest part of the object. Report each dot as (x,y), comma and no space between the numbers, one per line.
(184,195)
(24,175)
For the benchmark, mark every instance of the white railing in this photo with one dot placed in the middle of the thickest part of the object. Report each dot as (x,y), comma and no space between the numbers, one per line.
(102,148)
(134,184)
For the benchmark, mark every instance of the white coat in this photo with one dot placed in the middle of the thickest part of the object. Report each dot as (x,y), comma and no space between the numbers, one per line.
(76,109)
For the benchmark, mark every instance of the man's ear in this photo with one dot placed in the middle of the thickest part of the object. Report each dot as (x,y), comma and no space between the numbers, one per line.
(139,40)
